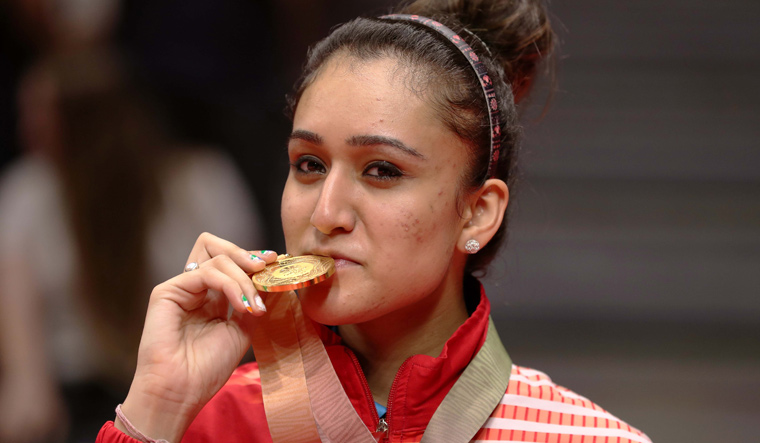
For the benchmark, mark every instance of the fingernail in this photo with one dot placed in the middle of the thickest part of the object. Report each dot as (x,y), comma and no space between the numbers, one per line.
(255,258)
(259,303)
(247,304)
(265,251)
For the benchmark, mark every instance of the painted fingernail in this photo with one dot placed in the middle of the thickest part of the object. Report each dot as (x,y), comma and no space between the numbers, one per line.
(247,304)
(265,251)
(259,303)
(255,258)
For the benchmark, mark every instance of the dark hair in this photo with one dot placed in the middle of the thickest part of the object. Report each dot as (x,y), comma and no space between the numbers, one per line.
(510,38)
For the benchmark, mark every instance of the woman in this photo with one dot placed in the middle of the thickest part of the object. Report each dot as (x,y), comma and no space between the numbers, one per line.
(402,149)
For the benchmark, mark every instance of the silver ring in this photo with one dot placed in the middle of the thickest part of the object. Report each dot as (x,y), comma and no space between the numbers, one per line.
(192,266)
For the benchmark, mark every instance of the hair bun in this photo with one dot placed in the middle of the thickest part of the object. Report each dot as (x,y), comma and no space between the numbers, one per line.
(517,32)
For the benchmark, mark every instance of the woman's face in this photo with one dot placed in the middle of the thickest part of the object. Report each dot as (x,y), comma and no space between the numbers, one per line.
(373,183)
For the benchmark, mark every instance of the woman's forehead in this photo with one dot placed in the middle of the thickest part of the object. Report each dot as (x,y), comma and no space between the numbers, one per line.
(389,70)
(366,99)
(358,89)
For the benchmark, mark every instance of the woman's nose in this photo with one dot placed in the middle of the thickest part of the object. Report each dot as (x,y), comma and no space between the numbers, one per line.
(334,212)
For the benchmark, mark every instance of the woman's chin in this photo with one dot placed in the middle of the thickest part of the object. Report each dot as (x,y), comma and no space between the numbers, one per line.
(315,302)
(326,304)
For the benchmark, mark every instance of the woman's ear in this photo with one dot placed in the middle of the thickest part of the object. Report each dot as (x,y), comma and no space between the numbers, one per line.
(484,214)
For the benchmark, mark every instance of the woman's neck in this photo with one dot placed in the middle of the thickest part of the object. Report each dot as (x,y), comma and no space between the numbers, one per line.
(383,344)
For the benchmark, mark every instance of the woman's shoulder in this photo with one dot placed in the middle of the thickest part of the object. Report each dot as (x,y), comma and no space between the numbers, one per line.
(534,406)
(526,383)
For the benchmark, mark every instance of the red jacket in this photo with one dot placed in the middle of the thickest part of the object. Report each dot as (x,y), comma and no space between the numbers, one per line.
(236,413)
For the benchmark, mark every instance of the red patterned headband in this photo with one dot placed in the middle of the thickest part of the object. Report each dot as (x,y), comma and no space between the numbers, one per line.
(485,80)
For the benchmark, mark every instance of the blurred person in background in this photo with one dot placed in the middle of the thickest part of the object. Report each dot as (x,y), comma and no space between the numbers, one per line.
(100,193)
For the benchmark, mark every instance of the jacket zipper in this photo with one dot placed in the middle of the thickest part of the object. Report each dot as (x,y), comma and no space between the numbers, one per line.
(383,424)
(392,395)
(365,385)
(382,427)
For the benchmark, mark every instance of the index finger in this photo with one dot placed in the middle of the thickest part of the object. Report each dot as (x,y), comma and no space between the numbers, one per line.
(209,246)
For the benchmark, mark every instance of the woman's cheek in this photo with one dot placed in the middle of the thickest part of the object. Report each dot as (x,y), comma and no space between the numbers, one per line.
(295,213)
(409,227)
(417,227)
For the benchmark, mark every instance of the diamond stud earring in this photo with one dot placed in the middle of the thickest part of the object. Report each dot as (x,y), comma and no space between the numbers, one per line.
(472,246)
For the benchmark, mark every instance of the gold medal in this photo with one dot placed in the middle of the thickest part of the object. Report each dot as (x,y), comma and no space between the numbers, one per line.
(287,274)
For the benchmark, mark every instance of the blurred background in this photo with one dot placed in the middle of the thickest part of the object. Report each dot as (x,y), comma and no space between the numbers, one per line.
(632,271)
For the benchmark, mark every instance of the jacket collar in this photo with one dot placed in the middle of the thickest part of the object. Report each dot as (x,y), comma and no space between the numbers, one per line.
(422,381)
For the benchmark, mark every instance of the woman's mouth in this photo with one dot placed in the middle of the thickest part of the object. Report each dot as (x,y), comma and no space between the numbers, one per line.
(342,263)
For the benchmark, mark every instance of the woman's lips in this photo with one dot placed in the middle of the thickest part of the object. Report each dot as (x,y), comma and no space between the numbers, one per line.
(342,263)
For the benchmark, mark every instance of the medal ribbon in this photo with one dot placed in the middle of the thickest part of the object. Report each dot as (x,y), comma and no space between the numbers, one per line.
(474,396)
(283,376)
(305,402)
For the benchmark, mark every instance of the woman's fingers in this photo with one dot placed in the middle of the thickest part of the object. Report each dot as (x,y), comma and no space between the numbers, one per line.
(209,246)
(221,274)
(249,299)
(236,263)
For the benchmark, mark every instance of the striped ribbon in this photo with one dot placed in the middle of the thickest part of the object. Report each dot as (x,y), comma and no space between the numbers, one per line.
(305,402)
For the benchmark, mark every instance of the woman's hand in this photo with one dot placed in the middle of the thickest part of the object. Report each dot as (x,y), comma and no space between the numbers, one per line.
(190,345)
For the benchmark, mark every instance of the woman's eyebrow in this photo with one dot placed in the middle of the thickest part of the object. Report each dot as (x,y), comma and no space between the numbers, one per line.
(308,136)
(369,140)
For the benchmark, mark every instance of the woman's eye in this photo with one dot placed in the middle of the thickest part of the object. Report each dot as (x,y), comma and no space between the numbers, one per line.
(383,170)
(309,165)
